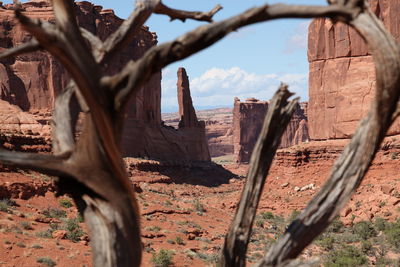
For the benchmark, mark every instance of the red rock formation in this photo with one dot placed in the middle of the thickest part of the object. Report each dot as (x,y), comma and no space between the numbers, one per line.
(33,81)
(187,114)
(219,133)
(21,131)
(342,75)
(248,119)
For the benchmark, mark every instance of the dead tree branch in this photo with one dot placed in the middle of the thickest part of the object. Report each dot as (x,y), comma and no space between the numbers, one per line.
(184,15)
(133,76)
(279,114)
(47,164)
(351,167)
(28,47)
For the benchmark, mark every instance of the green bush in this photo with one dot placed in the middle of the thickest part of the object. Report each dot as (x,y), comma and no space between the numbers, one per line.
(54,213)
(348,256)
(326,242)
(162,258)
(74,231)
(380,224)
(365,230)
(65,203)
(179,240)
(46,261)
(6,204)
(198,206)
(393,234)
(366,247)
(336,226)
(267,215)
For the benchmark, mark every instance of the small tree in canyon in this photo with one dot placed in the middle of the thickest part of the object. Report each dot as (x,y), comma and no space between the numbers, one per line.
(91,168)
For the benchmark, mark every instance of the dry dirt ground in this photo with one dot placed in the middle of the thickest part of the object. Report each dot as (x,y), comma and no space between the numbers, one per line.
(185,209)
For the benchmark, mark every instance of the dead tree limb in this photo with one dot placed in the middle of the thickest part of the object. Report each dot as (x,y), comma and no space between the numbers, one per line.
(28,47)
(278,116)
(134,75)
(351,167)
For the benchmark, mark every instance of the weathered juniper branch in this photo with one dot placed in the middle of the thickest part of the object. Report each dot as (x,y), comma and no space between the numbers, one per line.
(135,74)
(28,47)
(278,116)
(131,26)
(351,167)
(65,116)
(47,164)
(184,15)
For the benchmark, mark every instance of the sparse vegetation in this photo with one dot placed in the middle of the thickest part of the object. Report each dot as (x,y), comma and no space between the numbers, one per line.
(6,204)
(198,206)
(26,225)
(364,230)
(162,259)
(65,203)
(46,261)
(179,240)
(54,213)
(347,256)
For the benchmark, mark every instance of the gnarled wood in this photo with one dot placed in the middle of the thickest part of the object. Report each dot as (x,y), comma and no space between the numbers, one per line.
(278,116)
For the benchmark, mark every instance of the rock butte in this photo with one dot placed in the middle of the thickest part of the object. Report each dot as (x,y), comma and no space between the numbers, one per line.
(32,81)
(248,118)
(342,74)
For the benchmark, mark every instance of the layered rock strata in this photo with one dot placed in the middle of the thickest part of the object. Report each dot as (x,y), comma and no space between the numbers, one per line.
(219,132)
(32,82)
(248,119)
(342,74)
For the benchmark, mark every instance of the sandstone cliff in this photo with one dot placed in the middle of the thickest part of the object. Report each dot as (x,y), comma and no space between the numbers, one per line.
(248,119)
(32,82)
(342,75)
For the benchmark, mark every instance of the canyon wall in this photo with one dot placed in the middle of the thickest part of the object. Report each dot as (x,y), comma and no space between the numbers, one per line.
(32,81)
(342,74)
(248,119)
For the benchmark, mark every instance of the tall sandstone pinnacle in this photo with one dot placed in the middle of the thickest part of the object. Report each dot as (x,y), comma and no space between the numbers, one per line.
(32,81)
(342,74)
(187,113)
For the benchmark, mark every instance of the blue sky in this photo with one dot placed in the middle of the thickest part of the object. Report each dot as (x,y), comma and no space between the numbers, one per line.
(247,63)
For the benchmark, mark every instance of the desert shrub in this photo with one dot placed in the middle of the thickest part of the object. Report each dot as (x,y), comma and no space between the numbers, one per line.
(26,225)
(46,261)
(65,203)
(6,204)
(36,246)
(153,228)
(383,262)
(45,234)
(326,242)
(364,230)
(260,223)
(162,259)
(348,256)
(336,226)
(366,247)
(267,215)
(74,231)
(393,234)
(179,240)
(21,245)
(198,206)
(54,213)
(380,224)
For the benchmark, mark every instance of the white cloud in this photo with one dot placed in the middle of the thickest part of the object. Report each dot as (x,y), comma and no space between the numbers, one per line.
(299,38)
(218,87)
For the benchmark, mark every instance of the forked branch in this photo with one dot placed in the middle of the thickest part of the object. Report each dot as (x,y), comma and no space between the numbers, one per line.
(131,26)
(278,116)
(47,164)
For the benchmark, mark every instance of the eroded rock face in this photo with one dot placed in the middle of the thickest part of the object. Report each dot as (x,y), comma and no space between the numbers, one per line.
(342,75)
(248,119)
(32,82)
